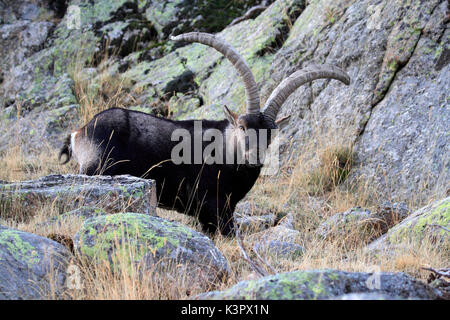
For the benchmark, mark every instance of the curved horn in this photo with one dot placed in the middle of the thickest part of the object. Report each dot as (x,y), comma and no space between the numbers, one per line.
(251,89)
(297,79)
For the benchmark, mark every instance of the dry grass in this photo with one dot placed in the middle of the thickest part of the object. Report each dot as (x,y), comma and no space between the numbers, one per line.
(99,89)
(290,192)
(17,164)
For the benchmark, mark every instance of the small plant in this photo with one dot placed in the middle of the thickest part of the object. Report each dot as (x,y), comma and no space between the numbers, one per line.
(335,164)
(331,14)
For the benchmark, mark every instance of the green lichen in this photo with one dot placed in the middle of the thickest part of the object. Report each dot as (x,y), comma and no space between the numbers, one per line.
(20,249)
(423,224)
(285,286)
(120,236)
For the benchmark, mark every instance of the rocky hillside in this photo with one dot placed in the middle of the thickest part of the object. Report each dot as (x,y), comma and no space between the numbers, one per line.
(395,112)
(63,61)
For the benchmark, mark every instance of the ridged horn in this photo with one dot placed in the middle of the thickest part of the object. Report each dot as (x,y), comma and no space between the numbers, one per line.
(297,79)
(251,89)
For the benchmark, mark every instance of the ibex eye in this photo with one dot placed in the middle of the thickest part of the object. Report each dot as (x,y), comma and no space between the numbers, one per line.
(242,128)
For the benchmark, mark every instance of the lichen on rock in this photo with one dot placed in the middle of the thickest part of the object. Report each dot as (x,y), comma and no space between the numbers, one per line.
(150,243)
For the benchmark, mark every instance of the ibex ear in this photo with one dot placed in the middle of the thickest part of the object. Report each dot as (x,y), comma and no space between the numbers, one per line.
(281,123)
(230,115)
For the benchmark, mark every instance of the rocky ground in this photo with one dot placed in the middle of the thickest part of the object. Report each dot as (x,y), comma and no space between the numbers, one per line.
(360,205)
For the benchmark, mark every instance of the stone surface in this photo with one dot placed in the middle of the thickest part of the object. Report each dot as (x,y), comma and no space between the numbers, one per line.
(31,267)
(395,110)
(423,224)
(355,220)
(363,222)
(153,244)
(280,233)
(253,217)
(278,248)
(67,192)
(180,16)
(324,284)
(255,223)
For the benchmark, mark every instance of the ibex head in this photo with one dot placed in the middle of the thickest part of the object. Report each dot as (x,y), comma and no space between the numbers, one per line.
(254,119)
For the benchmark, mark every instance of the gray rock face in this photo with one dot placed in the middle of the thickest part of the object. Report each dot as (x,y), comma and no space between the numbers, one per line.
(179,16)
(254,218)
(67,192)
(395,109)
(325,284)
(255,223)
(31,267)
(157,244)
(21,39)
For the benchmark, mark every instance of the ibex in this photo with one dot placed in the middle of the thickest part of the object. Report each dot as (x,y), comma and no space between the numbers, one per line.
(119,141)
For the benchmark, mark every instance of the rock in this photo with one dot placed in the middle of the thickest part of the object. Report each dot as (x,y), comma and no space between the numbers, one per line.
(405,138)
(275,233)
(20,40)
(253,217)
(324,284)
(31,267)
(395,109)
(155,244)
(425,223)
(358,221)
(16,10)
(254,223)
(363,222)
(287,221)
(280,249)
(68,192)
(390,214)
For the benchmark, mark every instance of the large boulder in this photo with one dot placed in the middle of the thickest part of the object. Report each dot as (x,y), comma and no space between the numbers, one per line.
(395,110)
(430,223)
(151,243)
(67,192)
(31,267)
(325,284)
